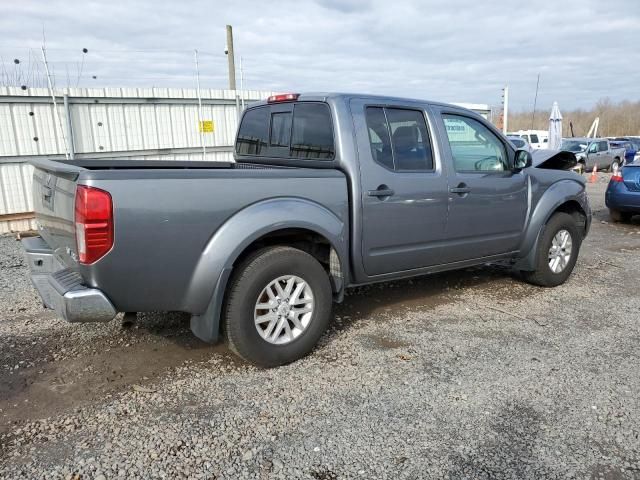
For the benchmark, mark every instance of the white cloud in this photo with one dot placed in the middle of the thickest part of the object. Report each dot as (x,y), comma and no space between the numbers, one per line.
(445,50)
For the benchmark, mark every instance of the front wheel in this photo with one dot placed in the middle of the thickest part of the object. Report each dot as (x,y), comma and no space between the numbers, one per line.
(557,251)
(278,306)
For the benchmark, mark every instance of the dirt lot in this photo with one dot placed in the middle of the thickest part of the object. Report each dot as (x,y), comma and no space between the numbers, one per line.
(470,374)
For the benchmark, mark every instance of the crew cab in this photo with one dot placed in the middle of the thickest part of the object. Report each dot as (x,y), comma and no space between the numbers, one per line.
(327,191)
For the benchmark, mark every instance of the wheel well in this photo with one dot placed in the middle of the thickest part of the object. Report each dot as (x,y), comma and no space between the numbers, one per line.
(308,241)
(574,209)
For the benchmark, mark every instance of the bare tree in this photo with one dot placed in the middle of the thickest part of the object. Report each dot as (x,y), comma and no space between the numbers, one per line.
(616,119)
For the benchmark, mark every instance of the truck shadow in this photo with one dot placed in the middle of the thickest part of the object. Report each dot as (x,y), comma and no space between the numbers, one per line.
(425,292)
(105,359)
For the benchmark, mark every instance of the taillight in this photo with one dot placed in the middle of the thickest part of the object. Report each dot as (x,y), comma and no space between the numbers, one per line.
(94,223)
(283,97)
(617,177)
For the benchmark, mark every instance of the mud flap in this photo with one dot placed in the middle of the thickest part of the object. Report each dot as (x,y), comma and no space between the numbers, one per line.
(207,325)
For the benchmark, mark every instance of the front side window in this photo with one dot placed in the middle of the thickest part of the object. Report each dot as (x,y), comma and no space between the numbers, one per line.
(254,132)
(474,147)
(399,139)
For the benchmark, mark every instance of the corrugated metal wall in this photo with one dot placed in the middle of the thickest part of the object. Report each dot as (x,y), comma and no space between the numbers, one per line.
(110,122)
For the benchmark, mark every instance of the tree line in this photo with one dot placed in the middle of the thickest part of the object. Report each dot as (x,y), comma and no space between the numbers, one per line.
(616,119)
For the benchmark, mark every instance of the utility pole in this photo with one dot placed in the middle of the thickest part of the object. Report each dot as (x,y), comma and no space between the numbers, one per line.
(232,65)
(505,109)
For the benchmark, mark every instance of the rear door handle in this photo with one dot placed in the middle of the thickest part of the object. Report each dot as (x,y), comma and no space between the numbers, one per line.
(381,192)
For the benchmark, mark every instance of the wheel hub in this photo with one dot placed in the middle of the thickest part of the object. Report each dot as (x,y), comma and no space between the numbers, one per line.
(560,251)
(284,309)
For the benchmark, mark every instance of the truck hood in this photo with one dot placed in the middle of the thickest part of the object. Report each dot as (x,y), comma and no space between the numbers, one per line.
(554,159)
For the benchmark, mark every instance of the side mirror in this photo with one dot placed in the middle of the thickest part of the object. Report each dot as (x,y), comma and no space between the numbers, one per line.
(523,159)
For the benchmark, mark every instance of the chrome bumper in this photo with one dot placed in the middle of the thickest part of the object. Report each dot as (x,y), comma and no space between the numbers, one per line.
(61,288)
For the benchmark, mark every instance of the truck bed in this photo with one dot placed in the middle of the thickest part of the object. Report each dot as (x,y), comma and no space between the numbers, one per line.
(165,214)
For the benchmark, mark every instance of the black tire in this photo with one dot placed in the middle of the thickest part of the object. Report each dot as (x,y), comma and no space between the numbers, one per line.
(543,275)
(615,165)
(248,282)
(618,216)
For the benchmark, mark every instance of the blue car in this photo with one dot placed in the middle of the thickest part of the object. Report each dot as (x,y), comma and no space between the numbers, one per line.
(623,193)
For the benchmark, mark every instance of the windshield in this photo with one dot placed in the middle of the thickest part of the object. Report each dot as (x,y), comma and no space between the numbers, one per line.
(573,145)
(518,142)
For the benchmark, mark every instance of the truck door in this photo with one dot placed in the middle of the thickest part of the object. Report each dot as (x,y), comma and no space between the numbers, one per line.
(403,188)
(487,199)
(606,155)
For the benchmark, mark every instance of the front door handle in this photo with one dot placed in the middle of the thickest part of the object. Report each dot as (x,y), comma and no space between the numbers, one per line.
(461,189)
(381,191)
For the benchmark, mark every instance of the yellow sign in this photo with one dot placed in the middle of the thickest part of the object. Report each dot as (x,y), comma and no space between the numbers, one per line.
(206,126)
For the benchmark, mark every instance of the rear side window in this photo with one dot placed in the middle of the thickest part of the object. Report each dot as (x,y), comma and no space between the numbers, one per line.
(297,130)
(603,147)
(534,138)
(399,138)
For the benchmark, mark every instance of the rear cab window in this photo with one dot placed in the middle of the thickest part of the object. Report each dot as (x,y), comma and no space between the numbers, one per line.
(294,130)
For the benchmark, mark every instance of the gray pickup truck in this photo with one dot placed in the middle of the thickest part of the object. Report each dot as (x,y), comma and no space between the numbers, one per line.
(594,152)
(328,191)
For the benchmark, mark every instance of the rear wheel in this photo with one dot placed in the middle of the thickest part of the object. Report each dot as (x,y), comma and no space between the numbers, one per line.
(615,165)
(618,216)
(557,252)
(278,305)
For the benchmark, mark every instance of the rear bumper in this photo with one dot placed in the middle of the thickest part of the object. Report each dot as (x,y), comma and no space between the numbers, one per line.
(619,197)
(62,289)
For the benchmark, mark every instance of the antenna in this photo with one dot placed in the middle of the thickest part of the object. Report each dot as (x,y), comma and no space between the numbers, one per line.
(241,84)
(200,126)
(55,104)
(535,101)
(79,69)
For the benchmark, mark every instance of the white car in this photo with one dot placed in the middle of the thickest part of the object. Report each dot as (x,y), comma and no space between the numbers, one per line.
(536,138)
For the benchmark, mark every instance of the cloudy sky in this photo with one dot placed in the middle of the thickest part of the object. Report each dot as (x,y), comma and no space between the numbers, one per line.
(448,50)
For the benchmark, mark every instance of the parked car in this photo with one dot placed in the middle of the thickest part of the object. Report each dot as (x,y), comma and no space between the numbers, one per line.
(520,142)
(631,146)
(329,191)
(623,193)
(538,139)
(593,152)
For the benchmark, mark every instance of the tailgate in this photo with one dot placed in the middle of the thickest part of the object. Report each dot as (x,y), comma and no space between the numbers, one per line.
(54,188)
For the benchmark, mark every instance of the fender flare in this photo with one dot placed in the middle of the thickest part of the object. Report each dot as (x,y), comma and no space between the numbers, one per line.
(209,280)
(556,195)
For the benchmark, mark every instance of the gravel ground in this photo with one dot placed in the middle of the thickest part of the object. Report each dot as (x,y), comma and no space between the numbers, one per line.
(469,374)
